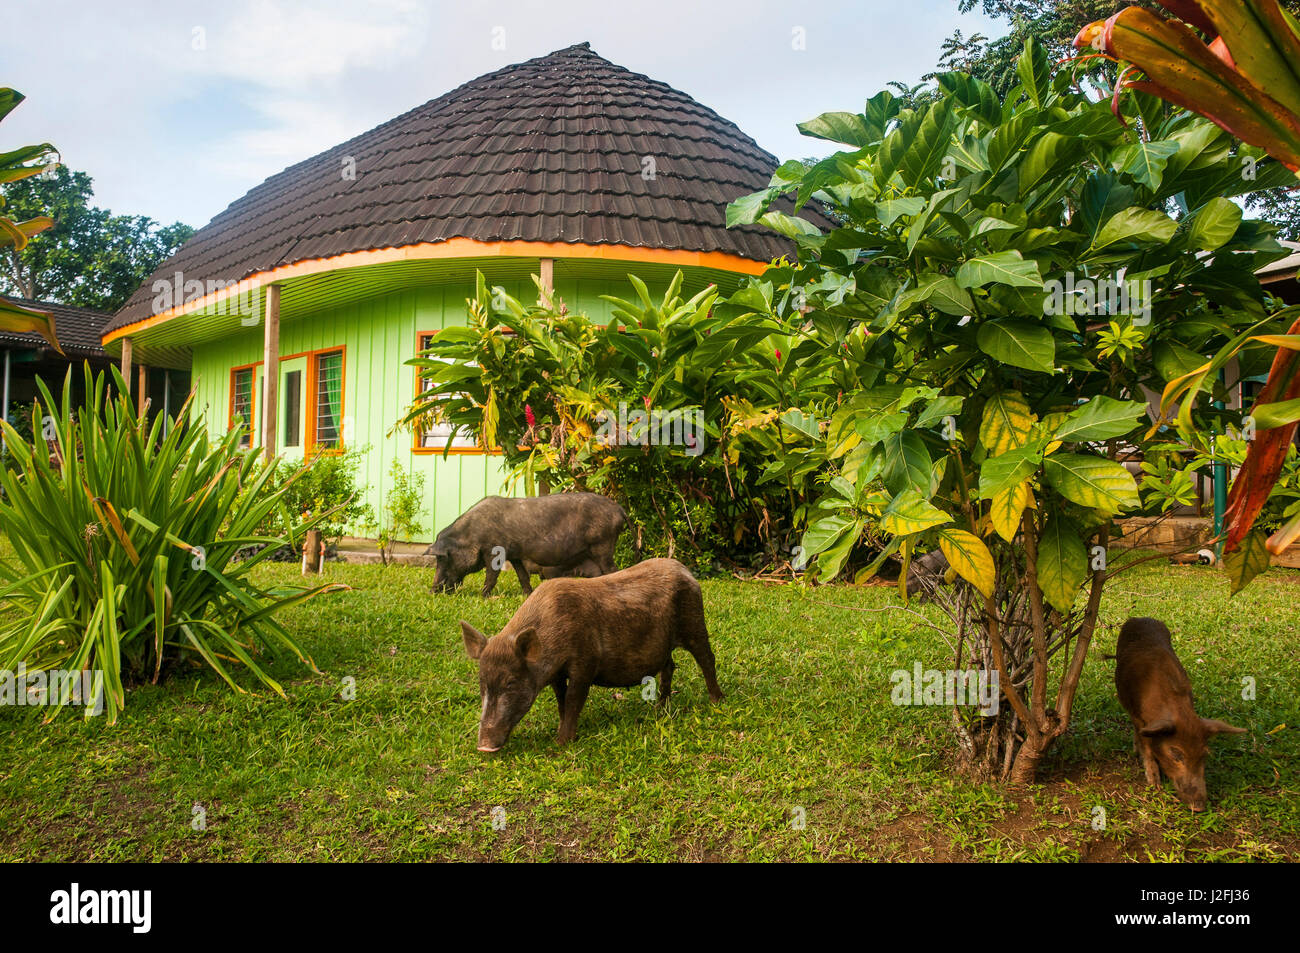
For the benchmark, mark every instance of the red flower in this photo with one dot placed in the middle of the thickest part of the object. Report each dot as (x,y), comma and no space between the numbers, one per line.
(646,400)
(778,354)
(528,415)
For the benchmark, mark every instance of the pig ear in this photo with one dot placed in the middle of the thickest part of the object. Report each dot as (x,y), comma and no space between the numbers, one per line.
(1213,726)
(1161,726)
(524,640)
(439,548)
(474,639)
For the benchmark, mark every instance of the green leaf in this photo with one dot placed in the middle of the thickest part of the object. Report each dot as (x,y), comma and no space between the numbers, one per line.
(1005,268)
(1247,561)
(1018,343)
(970,558)
(1146,161)
(843,127)
(1034,72)
(1062,564)
(1101,418)
(909,513)
(907,463)
(1011,468)
(1137,225)
(748,209)
(1092,482)
(1279,414)
(1215,224)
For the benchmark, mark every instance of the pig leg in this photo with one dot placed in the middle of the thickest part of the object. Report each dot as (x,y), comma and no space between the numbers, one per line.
(1149,763)
(574,698)
(704,656)
(559,685)
(524,582)
(490,580)
(666,681)
(602,555)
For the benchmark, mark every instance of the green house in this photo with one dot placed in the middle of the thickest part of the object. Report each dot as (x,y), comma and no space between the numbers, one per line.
(336,271)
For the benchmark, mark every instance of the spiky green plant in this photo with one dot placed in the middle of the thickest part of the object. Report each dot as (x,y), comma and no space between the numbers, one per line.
(125,536)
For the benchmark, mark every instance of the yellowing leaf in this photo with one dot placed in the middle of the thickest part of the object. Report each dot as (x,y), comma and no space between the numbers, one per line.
(969,558)
(1006,509)
(1007,423)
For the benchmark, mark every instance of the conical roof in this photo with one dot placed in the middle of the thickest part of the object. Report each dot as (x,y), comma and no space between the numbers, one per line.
(567,147)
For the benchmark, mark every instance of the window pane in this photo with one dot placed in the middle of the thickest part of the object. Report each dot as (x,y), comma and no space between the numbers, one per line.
(241,404)
(292,409)
(329,399)
(434,437)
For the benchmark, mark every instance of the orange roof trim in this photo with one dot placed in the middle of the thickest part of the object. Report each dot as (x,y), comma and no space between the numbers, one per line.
(451,249)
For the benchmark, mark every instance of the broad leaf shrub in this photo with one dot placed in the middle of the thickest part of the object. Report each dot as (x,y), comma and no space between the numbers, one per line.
(1029,275)
(535,379)
(123,540)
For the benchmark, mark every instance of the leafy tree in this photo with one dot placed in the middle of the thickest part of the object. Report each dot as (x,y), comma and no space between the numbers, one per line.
(15,165)
(1054,24)
(1024,270)
(90,258)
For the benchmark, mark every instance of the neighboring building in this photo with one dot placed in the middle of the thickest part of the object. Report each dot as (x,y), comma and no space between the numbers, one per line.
(567,167)
(25,357)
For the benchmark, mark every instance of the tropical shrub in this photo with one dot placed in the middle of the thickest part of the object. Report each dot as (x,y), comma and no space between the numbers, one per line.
(1025,270)
(123,542)
(575,404)
(400,519)
(321,490)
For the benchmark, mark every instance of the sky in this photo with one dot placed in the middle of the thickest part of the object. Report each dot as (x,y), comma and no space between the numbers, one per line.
(176,108)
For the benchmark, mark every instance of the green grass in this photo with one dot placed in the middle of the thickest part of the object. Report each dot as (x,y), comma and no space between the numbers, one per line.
(807,723)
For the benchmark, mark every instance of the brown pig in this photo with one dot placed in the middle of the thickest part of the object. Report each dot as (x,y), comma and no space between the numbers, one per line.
(1154,689)
(610,631)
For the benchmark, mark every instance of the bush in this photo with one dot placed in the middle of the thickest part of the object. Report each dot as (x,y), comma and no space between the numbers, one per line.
(323,489)
(124,541)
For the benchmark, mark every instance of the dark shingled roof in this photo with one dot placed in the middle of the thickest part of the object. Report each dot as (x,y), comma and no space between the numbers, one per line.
(550,150)
(79,330)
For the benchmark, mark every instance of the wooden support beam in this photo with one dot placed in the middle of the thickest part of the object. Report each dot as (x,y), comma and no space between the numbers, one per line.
(271,374)
(128,349)
(141,388)
(546,275)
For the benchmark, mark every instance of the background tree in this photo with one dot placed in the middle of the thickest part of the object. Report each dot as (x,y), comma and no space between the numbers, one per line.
(90,258)
(16,165)
(1054,24)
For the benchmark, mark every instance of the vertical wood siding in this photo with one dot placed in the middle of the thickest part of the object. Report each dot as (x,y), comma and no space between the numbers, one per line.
(379,336)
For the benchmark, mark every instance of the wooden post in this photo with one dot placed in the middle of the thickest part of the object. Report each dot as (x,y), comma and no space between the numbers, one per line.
(127,352)
(311,553)
(546,275)
(142,388)
(271,373)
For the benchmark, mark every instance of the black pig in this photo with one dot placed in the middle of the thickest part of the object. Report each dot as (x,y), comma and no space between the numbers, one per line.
(574,633)
(564,532)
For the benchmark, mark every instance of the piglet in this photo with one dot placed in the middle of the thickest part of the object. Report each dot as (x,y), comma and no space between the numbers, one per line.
(610,631)
(1154,689)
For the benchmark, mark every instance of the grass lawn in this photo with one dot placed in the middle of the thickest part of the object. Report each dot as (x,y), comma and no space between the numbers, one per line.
(808,723)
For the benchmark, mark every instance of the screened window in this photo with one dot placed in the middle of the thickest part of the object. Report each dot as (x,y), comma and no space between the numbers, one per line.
(241,403)
(328,399)
(434,437)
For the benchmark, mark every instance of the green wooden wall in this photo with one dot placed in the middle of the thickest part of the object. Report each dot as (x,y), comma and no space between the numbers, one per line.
(379,336)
